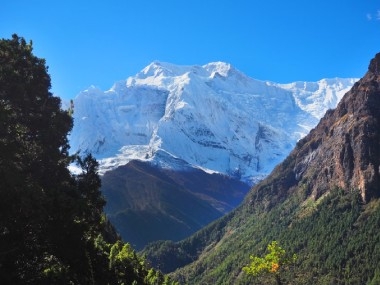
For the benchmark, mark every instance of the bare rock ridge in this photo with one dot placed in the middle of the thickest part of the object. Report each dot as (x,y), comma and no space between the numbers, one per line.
(344,149)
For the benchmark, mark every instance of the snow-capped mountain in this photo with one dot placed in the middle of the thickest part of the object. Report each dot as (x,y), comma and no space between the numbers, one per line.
(212,117)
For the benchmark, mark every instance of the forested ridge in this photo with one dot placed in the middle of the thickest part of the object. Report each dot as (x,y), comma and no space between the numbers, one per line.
(52,226)
(336,240)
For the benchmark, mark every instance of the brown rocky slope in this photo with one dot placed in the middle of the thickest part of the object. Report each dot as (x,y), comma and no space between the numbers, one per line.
(342,151)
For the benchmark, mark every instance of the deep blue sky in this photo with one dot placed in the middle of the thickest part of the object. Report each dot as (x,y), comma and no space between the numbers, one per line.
(99,42)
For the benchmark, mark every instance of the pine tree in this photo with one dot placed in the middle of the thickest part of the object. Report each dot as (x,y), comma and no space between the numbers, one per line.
(33,158)
(52,226)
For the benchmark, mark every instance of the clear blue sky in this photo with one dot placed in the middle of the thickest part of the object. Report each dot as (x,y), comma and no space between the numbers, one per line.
(99,42)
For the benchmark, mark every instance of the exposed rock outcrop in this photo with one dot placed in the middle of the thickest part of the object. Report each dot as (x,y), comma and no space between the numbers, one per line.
(344,149)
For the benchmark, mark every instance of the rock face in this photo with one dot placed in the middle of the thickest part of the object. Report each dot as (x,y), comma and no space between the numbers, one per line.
(344,149)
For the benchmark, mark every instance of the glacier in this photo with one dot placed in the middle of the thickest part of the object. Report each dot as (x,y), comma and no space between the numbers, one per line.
(212,117)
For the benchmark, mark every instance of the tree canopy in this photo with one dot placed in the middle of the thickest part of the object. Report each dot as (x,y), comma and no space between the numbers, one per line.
(273,262)
(52,226)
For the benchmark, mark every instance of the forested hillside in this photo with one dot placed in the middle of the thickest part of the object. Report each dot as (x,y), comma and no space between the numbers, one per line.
(321,203)
(52,226)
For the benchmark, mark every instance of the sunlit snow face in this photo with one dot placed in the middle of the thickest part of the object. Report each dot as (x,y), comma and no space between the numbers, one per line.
(212,117)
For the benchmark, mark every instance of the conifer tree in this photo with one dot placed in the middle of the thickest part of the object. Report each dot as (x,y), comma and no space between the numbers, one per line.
(52,226)
(33,158)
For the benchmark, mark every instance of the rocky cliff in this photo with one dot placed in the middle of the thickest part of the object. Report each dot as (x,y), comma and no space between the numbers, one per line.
(344,149)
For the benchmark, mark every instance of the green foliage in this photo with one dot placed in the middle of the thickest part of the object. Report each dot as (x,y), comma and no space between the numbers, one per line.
(124,262)
(52,225)
(272,263)
(90,200)
(33,161)
(129,268)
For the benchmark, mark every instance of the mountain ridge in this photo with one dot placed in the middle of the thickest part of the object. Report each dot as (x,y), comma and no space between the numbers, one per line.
(148,203)
(211,110)
(192,120)
(321,202)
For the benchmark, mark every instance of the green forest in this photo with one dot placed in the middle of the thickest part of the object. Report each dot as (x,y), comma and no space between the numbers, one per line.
(336,241)
(52,226)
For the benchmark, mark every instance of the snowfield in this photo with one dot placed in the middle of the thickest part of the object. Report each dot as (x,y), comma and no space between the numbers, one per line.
(211,117)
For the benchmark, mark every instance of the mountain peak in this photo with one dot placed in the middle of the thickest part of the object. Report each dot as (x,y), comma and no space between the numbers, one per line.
(157,68)
(210,110)
(222,68)
(374,66)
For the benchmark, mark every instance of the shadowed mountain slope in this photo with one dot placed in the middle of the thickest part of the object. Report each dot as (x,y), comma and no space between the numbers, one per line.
(147,203)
